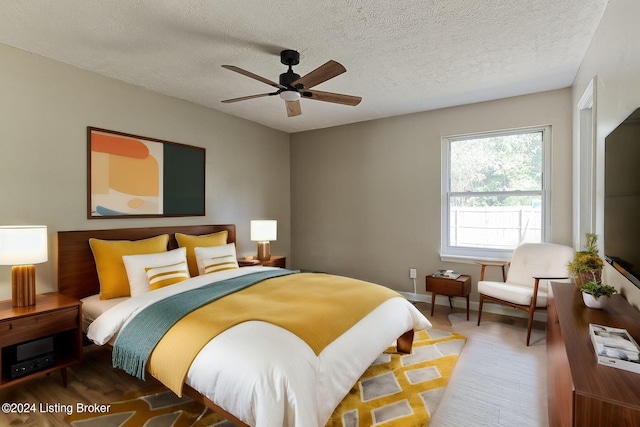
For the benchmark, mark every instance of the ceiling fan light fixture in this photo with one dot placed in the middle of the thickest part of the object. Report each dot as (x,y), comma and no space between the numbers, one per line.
(290,95)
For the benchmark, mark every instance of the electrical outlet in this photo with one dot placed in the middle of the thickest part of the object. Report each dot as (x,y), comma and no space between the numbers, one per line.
(413,273)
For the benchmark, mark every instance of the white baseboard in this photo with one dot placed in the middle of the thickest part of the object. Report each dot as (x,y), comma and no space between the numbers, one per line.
(487,307)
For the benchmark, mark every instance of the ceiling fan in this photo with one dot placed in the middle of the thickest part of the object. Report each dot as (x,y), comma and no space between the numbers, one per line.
(292,87)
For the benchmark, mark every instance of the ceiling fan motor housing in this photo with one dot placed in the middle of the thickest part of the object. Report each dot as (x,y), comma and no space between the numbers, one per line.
(290,58)
(287,78)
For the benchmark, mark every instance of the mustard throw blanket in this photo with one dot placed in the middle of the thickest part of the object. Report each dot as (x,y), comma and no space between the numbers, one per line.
(297,302)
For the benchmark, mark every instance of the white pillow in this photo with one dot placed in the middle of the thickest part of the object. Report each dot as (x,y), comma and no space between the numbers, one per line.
(167,275)
(136,266)
(216,258)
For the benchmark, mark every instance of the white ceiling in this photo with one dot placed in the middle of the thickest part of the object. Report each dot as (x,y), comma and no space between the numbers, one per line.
(401,56)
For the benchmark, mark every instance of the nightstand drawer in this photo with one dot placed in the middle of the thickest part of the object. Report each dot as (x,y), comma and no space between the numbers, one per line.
(445,286)
(24,328)
(441,286)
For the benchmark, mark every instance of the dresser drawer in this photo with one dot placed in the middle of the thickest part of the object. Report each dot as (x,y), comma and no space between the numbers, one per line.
(24,328)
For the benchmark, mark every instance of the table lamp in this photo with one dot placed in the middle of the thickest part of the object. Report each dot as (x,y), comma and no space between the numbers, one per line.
(263,232)
(21,246)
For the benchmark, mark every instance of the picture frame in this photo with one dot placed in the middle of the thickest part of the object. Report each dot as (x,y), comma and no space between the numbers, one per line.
(132,176)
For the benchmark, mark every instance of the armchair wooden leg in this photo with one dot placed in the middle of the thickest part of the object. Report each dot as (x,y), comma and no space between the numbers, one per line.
(531,312)
(480,309)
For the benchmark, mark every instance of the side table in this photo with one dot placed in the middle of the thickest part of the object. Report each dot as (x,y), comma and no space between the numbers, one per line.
(460,287)
(54,316)
(275,261)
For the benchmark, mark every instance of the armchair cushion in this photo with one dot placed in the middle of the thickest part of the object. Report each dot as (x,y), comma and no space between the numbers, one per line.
(512,292)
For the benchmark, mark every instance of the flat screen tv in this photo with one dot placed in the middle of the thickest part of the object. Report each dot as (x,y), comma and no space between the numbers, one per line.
(622,198)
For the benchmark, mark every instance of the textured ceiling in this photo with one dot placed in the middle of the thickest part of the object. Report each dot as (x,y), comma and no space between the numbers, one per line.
(401,57)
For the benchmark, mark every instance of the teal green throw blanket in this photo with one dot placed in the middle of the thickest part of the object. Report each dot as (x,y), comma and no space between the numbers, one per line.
(139,337)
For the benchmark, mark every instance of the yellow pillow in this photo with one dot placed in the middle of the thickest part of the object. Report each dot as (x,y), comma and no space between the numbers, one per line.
(159,277)
(108,256)
(203,241)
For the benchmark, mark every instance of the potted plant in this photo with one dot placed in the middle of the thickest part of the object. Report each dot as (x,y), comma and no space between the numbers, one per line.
(595,294)
(586,265)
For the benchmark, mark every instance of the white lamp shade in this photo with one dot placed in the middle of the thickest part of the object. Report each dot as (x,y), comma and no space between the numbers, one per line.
(264,230)
(23,244)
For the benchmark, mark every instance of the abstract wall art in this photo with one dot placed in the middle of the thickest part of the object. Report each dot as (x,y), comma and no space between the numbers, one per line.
(134,176)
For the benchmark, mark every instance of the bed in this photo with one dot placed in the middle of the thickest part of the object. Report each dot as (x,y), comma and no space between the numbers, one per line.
(253,373)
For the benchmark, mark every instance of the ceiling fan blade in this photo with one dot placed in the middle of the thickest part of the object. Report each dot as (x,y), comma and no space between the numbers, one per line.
(253,76)
(244,98)
(293,108)
(321,74)
(337,98)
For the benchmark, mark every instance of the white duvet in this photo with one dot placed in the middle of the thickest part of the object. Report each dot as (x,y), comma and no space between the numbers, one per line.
(267,376)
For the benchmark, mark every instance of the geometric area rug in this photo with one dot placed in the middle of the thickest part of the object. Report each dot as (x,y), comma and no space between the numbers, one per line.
(397,390)
(402,390)
(155,406)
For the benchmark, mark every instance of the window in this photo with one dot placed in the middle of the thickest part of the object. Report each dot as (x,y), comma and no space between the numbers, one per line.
(495,192)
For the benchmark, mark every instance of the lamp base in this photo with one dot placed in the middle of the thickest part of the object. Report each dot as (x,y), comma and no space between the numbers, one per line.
(264,251)
(23,283)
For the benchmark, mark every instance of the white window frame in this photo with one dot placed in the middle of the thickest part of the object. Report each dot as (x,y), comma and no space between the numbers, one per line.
(467,254)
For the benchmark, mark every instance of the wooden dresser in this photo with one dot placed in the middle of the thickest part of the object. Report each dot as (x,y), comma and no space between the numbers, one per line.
(580,391)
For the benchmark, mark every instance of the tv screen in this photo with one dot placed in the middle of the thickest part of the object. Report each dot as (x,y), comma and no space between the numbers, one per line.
(622,198)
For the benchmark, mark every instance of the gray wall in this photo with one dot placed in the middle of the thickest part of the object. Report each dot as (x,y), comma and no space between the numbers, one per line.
(45,109)
(365,198)
(614,59)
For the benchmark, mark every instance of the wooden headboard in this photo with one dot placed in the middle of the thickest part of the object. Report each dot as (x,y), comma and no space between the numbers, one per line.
(77,275)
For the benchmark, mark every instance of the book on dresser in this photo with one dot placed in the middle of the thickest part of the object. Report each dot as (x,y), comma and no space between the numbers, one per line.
(615,347)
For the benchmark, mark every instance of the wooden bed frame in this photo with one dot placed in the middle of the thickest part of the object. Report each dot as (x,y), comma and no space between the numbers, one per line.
(78,278)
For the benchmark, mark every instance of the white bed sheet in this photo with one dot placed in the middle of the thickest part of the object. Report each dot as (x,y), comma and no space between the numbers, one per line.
(267,376)
(93,306)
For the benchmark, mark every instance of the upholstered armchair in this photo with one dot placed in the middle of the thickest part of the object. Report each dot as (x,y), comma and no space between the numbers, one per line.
(525,288)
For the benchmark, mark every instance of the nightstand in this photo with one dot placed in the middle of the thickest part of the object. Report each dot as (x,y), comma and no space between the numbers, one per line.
(39,339)
(460,287)
(275,261)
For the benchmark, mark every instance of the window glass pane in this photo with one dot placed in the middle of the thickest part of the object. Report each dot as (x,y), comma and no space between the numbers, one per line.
(495,222)
(497,163)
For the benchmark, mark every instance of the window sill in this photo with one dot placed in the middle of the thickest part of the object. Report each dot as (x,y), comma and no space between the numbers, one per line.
(471,259)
